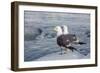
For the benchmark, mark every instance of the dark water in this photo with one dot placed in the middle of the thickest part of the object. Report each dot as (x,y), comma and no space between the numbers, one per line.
(40,39)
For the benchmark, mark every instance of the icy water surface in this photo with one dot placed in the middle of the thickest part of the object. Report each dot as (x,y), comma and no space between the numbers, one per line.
(40,39)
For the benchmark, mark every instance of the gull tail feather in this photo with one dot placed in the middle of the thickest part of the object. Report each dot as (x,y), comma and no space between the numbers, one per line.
(81,43)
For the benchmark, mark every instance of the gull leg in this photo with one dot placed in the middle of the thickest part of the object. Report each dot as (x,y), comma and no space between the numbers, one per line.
(65,50)
(61,51)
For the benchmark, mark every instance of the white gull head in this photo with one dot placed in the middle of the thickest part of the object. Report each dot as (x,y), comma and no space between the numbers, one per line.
(58,30)
(65,29)
(61,30)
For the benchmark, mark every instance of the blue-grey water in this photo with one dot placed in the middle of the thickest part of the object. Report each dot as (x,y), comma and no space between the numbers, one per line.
(40,39)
